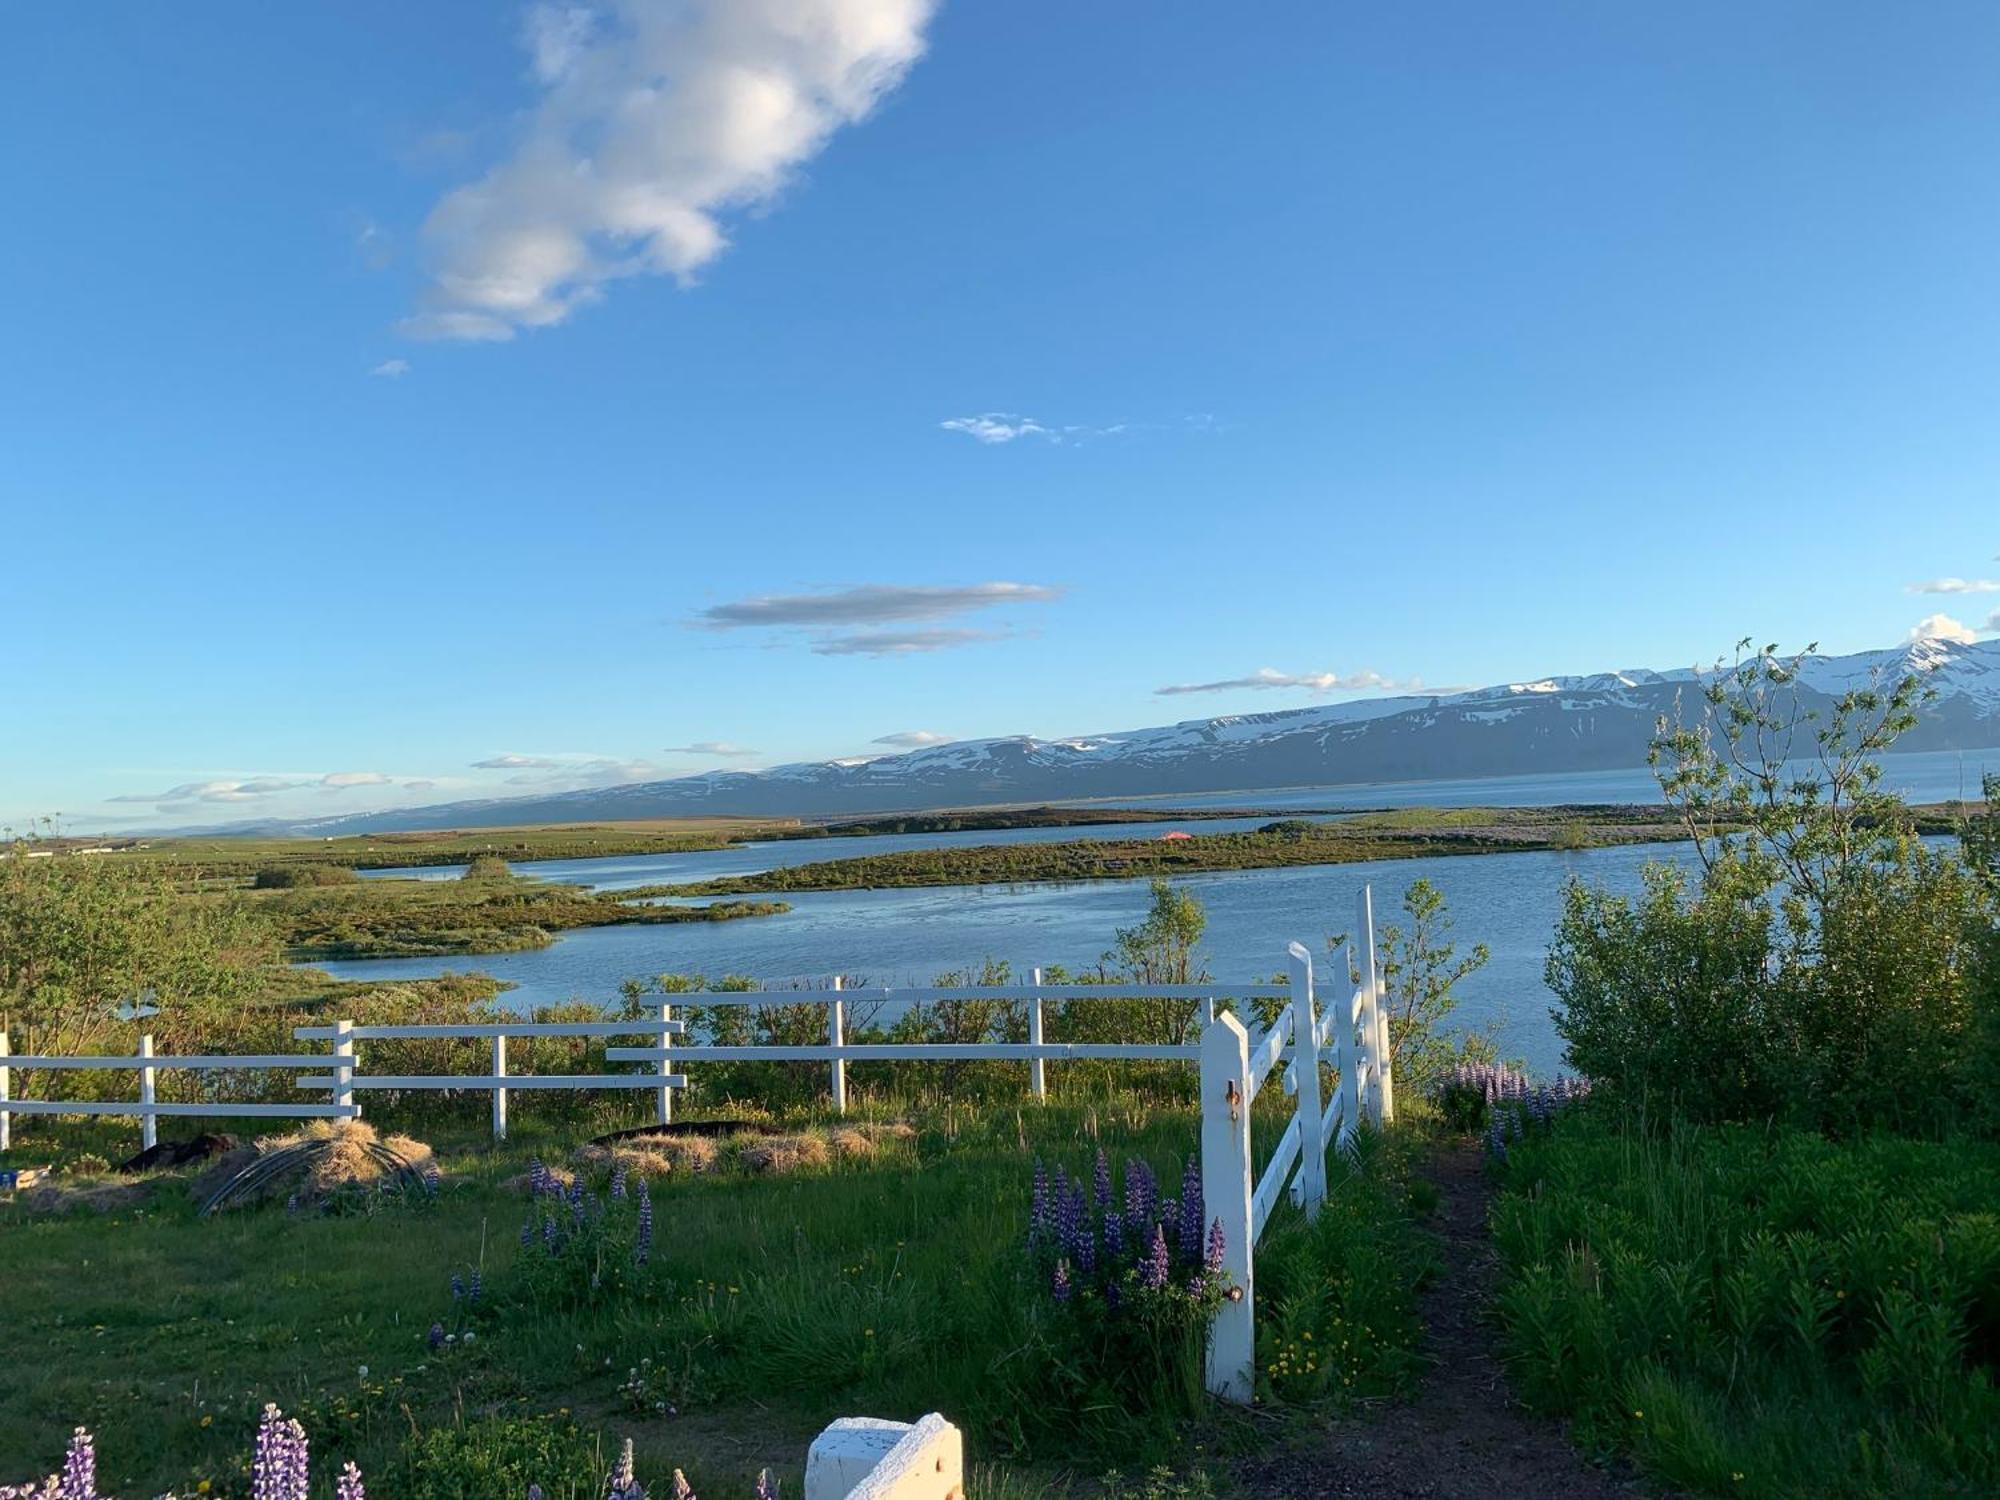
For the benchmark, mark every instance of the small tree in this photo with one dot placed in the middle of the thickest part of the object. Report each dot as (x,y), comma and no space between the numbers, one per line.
(1420,970)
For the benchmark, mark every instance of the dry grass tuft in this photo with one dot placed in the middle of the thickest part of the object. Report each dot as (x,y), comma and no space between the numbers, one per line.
(784,1153)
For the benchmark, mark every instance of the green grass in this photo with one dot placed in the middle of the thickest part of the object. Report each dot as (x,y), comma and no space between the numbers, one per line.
(1757,1311)
(886,1287)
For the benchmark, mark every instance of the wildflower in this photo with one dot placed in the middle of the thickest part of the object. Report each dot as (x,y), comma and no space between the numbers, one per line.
(280,1463)
(1142,1195)
(551,1237)
(79,1475)
(642,1251)
(624,1484)
(472,1293)
(1192,1216)
(1217,1243)
(1059,1287)
(767,1487)
(539,1180)
(527,1231)
(1153,1274)
(1042,1213)
(435,1338)
(1100,1180)
(348,1486)
(457,1288)
(535,1492)
(618,1172)
(680,1489)
(361,1372)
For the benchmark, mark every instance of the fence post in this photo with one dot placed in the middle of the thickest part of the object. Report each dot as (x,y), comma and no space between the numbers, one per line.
(149,1123)
(1038,1075)
(343,1067)
(499,1089)
(6,1081)
(1374,1026)
(836,1036)
(664,1096)
(1305,1067)
(1346,1071)
(1226,1189)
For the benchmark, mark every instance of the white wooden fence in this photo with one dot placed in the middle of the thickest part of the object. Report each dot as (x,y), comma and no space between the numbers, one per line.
(343,1074)
(1351,1038)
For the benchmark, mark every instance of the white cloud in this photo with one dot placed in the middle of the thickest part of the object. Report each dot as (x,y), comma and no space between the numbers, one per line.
(899,642)
(1005,427)
(1957,586)
(652,122)
(1318,682)
(996,427)
(710,747)
(392,369)
(512,762)
(1943,628)
(342,779)
(245,789)
(913,739)
(871,604)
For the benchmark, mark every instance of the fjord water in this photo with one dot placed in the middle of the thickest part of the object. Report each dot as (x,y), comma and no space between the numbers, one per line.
(1508,901)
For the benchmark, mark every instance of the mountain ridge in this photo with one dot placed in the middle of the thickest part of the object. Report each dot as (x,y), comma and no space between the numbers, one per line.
(1588,722)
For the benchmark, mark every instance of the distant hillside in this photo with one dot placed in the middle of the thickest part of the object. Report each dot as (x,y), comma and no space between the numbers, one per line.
(1553,726)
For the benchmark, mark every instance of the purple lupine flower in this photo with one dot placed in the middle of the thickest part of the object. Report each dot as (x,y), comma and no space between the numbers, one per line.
(472,1292)
(1100,1180)
(767,1487)
(435,1338)
(280,1465)
(551,1237)
(642,1250)
(1191,1211)
(1217,1243)
(1114,1238)
(1112,1295)
(1142,1195)
(1069,1214)
(539,1180)
(527,1231)
(1041,1211)
(624,1484)
(457,1288)
(618,1172)
(1154,1270)
(79,1475)
(1059,1286)
(535,1492)
(1083,1243)
(576,1202)
(680,1489)
(348,1486)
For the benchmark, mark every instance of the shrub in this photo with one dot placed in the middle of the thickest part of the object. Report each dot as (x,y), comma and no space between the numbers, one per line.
(487,867)
(296,877)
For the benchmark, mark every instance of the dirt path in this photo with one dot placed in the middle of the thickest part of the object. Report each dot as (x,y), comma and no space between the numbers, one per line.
(1461,1433)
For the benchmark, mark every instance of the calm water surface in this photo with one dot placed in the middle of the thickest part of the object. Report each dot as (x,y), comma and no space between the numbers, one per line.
(1508,901)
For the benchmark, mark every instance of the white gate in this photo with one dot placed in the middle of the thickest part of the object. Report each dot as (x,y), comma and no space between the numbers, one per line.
(1352,1040)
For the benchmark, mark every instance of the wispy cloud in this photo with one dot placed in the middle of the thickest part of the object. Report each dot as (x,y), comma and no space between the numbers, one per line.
(1957,586)
(344,779)
(900,642)
(652,121)
(912,739)
(995,427)
(871,604)
(1944,628)
(1318,682)
(710,747)
(392,369)
(520,762)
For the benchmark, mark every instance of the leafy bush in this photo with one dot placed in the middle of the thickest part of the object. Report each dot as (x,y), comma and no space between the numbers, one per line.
(1759,1311)
(295,877)
(1820,966)
(487,867)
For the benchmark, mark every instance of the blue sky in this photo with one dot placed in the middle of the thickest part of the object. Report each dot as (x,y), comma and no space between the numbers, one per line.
(611,393)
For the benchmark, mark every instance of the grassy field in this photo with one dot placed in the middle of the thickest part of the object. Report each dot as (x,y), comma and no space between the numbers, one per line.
(1761,1310)
(1288,842)
(887,1284)
(392,918)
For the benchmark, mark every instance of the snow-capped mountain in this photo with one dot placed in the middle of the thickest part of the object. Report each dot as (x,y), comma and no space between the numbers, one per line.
(1557,724)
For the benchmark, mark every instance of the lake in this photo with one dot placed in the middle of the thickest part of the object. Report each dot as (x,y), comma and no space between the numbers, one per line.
(1508,901)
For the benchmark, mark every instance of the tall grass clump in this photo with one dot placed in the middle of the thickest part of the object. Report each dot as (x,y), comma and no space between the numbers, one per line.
(1761,1310)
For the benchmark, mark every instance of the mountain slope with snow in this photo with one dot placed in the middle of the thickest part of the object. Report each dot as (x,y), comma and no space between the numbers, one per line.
(1601,721)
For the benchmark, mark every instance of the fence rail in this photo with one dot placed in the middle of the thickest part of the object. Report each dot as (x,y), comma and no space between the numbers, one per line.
(665,1056)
